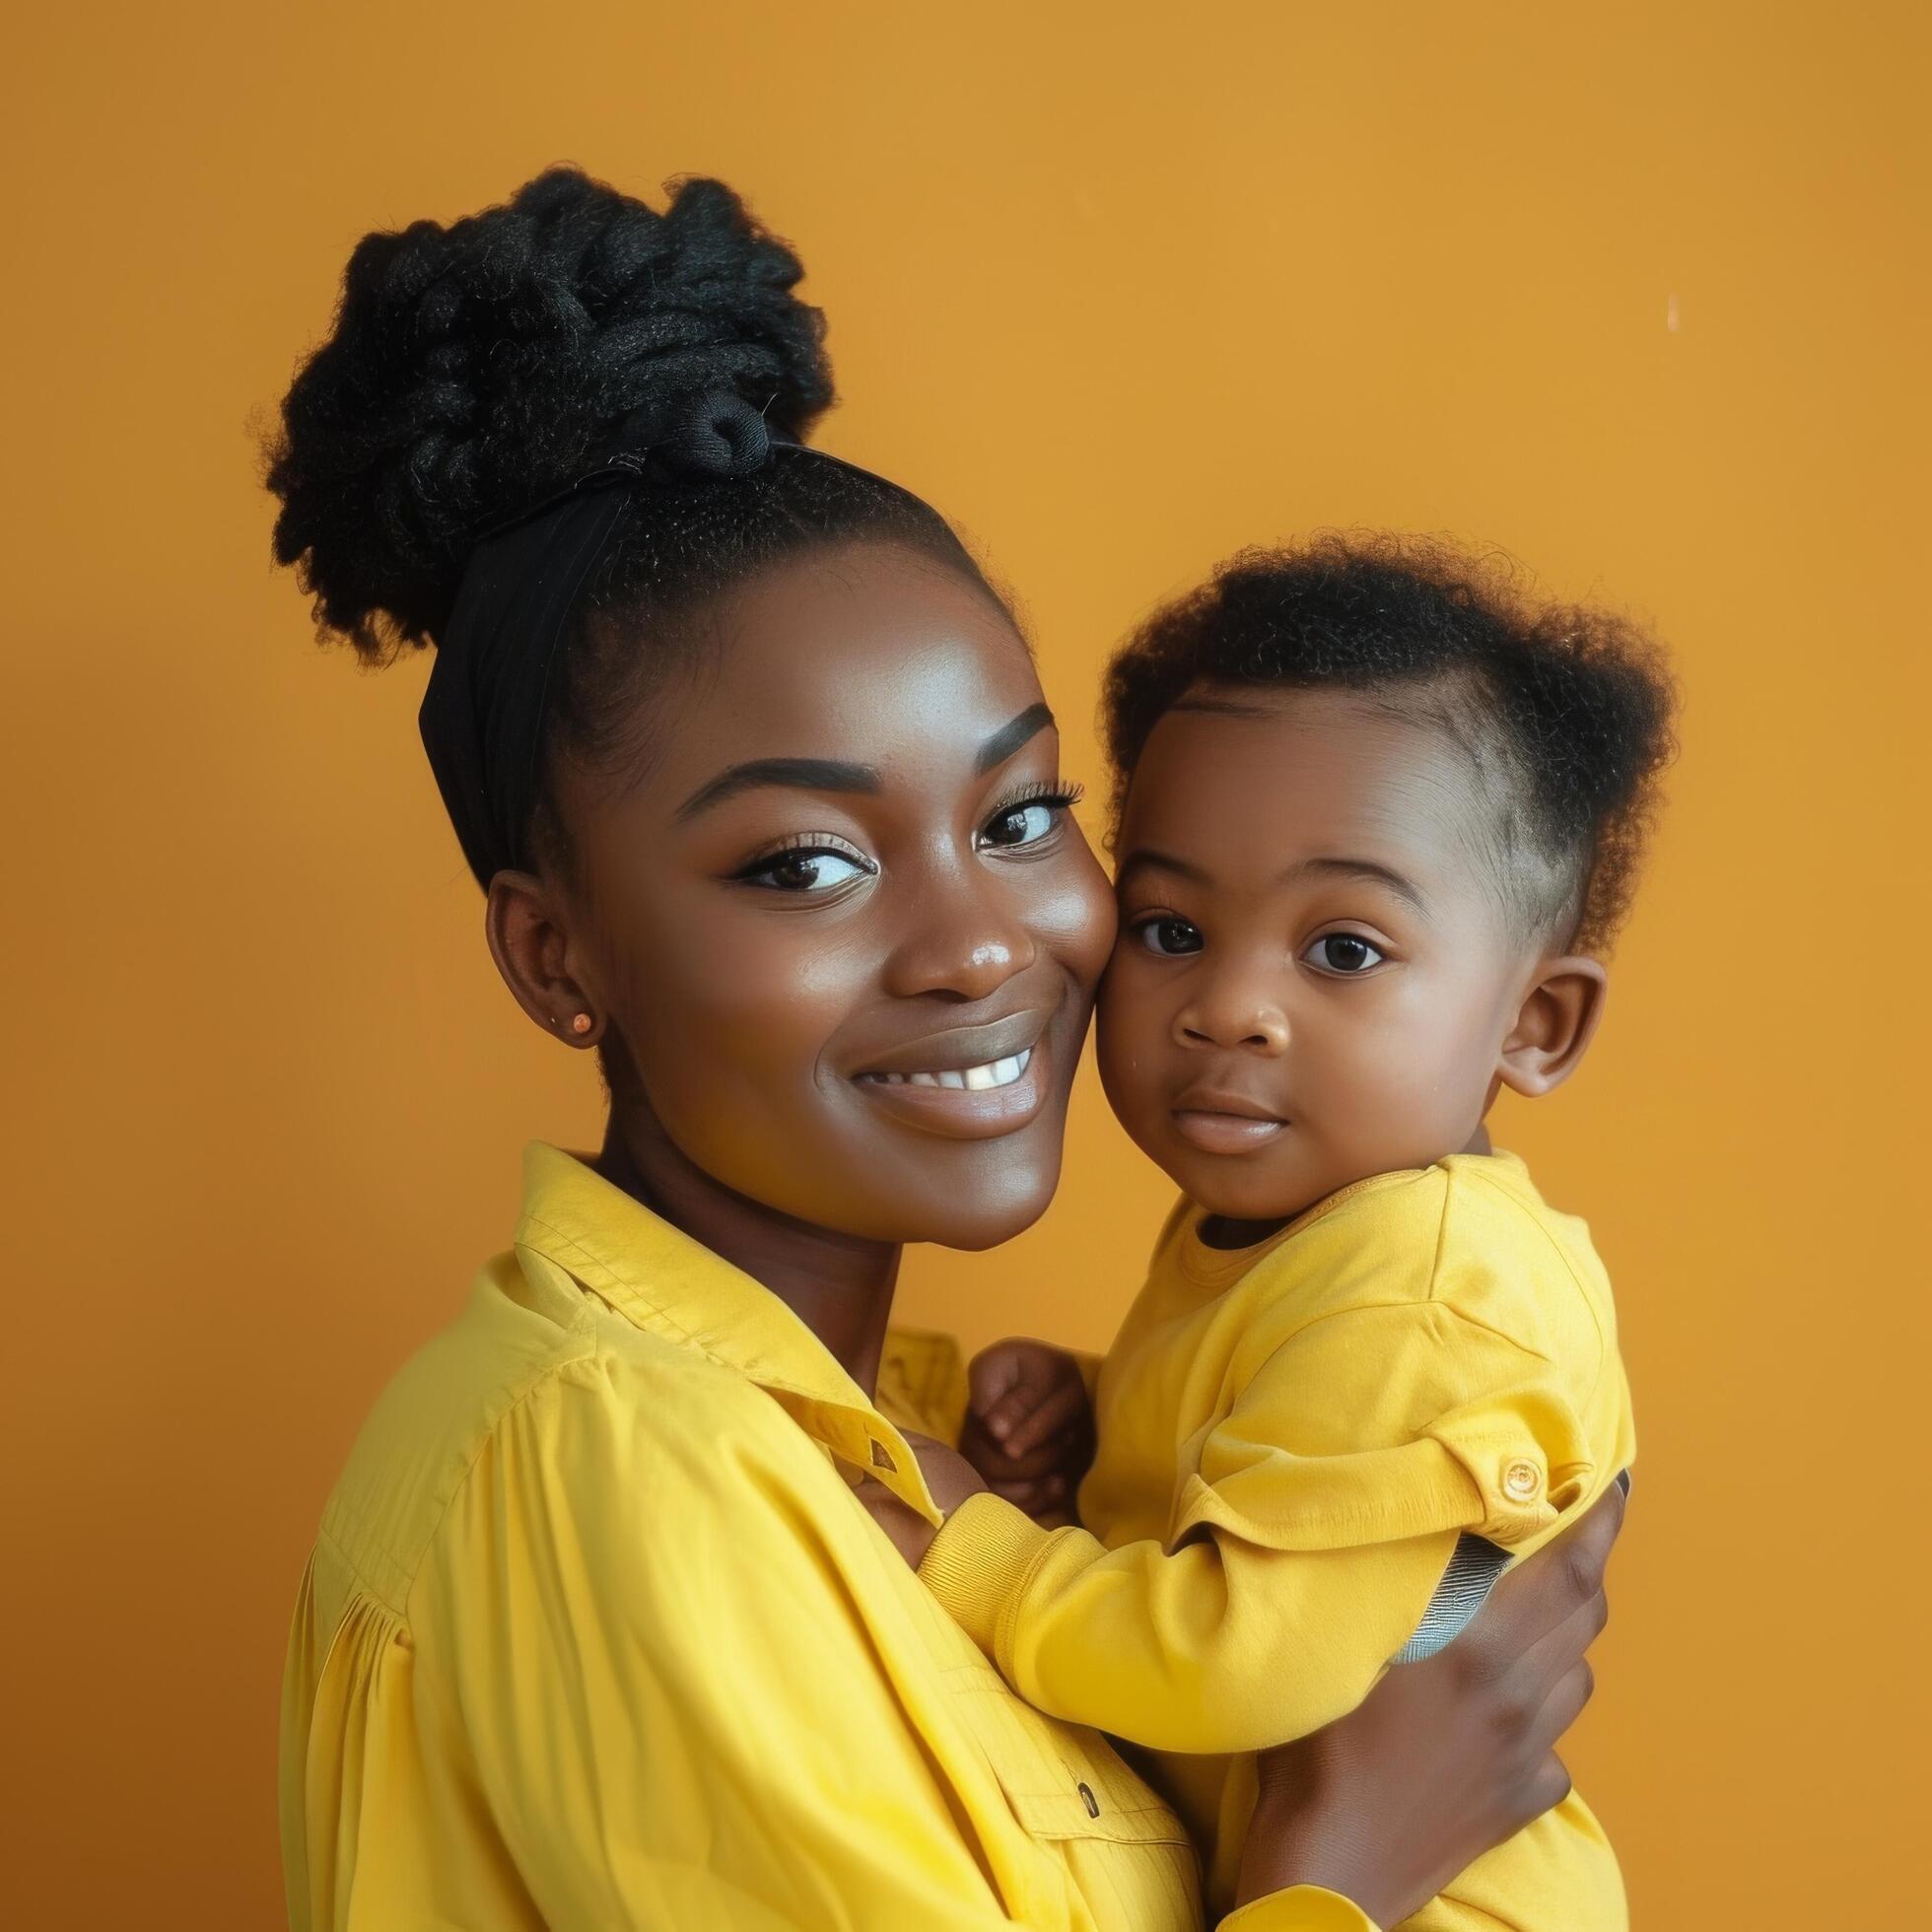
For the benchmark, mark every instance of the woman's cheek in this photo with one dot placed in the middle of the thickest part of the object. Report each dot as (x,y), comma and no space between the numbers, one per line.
(714,1025)
(1073,917)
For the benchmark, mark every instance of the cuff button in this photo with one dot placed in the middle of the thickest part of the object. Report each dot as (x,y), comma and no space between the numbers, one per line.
(1521,1480)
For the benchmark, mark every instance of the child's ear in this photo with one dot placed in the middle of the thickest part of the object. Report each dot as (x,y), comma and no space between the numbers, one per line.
(1554,1026)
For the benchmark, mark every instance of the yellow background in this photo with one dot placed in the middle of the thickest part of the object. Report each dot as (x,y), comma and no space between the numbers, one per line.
(1120,287)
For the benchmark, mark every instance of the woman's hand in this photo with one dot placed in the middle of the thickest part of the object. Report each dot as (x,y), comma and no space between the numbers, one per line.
(1447,1758)
(1029,1426)
(950,1477)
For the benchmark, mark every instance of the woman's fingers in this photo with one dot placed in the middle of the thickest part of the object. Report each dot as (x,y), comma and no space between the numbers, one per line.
(1543,1664)
(1564,1705)
(1547,1789)
(1544,1592)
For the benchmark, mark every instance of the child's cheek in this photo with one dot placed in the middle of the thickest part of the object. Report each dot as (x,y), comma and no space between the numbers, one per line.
(1131,1030)
(1402,1085)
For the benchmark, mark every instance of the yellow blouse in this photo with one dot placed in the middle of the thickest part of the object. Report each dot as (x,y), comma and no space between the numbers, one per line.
(596,1634)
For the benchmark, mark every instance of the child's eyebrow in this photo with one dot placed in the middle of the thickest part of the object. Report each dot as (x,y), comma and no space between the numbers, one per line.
(1146,857)
(1162,861)
(1358,868)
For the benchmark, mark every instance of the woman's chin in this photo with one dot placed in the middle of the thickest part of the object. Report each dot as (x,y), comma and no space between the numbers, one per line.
(988,1208)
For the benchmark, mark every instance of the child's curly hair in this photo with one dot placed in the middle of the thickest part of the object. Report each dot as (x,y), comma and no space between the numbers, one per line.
(1564,712)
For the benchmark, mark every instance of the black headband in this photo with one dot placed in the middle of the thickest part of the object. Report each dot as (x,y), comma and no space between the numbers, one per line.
(489,693)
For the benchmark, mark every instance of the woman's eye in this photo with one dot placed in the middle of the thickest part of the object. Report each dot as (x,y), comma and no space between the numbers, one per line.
(806,868)
(1342,952)
(1170,936)
(1022,825)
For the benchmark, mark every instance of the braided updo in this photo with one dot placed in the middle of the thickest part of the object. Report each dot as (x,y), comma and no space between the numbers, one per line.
(475,369)
(1565,712)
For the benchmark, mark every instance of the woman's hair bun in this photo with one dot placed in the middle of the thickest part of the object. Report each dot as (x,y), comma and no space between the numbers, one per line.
(475,367)
(717,434)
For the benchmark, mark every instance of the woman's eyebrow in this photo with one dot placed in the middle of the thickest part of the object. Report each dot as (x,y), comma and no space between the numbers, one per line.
(1011,735)
(835,775)
(800,773)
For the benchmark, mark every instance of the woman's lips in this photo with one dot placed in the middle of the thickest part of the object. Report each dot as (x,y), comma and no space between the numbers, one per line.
(970,1102)
(976,1079)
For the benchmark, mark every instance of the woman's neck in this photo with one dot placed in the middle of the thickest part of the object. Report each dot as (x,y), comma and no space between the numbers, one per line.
(839,1285)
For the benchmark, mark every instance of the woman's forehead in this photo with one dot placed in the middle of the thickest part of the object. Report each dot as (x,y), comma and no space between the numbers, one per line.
(867,654)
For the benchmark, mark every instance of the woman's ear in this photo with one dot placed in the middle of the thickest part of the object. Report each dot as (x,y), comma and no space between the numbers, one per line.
(1554,1026)
(532,951)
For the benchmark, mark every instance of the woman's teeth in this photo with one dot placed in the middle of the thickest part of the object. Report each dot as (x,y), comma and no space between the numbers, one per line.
(974,1080)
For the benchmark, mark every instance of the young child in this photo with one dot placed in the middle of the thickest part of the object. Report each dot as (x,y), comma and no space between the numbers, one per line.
(1376,821)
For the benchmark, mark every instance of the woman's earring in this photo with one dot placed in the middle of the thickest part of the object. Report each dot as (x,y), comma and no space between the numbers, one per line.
(582,1024)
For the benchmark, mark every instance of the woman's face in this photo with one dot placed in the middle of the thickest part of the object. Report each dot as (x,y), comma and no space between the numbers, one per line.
(840,921)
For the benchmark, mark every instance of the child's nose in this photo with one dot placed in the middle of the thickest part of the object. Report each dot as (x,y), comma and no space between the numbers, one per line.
(1233,1022)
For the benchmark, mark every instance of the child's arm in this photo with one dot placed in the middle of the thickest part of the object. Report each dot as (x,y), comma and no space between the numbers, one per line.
(1305,1545)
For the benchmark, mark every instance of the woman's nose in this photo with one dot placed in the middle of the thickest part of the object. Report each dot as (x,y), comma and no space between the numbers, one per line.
(964,938)
(1231,1015)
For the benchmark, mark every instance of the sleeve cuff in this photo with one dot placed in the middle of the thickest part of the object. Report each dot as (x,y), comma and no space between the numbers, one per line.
(1300,1909)
(977,1561)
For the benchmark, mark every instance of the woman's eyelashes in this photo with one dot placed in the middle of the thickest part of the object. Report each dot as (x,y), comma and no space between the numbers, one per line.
(818,862)
(1031,817)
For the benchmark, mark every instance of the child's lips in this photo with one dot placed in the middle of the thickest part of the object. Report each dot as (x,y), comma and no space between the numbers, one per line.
(1225,1123)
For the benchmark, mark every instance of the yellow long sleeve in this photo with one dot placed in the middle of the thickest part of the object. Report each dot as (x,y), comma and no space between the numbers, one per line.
(1301,1555)
(1413,1363)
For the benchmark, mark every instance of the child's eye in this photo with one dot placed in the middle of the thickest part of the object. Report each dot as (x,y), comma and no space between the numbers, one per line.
(1169,936)
(1344,953)
(806,868)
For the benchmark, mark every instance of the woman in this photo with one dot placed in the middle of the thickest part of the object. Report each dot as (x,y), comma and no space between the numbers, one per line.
(752,764)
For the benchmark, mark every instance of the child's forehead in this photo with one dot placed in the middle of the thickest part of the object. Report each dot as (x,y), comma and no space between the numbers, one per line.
(1292,764)
(1249,794)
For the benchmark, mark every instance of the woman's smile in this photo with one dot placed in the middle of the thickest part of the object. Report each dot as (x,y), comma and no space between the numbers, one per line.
(968,1082)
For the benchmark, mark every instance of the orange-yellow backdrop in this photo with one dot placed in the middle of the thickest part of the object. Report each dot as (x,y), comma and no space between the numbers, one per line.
(1638,293)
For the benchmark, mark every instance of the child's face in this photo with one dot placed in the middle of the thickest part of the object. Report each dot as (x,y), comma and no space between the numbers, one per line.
(1315,978)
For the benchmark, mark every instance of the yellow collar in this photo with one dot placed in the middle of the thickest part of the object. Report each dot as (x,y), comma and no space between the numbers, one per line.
(666,1283)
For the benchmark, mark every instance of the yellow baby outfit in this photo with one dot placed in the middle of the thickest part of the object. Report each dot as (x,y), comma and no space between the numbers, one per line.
(1299,1444)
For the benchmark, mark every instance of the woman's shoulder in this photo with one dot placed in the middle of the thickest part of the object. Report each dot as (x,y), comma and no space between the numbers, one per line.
(531,1405)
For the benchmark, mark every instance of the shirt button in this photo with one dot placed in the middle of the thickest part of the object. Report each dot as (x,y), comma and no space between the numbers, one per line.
(1521,1480)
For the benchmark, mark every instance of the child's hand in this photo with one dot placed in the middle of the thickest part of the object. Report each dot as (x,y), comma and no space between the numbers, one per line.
(1029,1426)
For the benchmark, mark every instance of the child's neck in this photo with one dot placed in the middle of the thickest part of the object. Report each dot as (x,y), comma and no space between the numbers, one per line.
(1223,1231)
